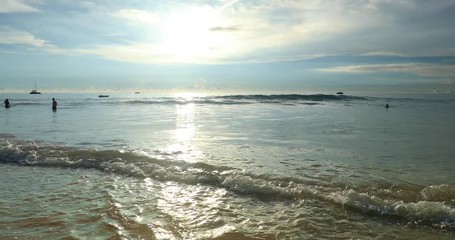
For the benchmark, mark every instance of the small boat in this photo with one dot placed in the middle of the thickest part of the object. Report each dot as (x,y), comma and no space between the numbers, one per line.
(34,91)
(101,96)
(340,93)
(137,92)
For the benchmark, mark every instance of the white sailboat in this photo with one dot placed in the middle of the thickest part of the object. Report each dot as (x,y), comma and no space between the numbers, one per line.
(34,91)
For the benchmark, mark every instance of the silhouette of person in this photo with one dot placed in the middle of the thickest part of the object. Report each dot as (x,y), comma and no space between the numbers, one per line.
(7,105)
(387,106)
(54,104)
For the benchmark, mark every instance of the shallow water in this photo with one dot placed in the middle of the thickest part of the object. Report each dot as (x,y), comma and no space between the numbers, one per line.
(228,167)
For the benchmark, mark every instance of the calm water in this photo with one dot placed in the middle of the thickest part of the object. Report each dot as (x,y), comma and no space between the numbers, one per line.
(227,167)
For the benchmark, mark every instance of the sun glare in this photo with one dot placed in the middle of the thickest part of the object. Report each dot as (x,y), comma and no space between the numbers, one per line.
(187,33)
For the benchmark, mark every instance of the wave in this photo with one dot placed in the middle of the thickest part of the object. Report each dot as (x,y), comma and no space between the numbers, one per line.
(242,99)
(430,205)
(292,97)
(285,99)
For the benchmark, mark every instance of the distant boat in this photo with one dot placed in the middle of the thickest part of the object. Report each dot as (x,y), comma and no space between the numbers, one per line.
(340,93)
(103,96)
(34,91)
(137,92)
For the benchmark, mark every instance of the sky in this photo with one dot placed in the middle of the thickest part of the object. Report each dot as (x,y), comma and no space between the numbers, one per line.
(228,45)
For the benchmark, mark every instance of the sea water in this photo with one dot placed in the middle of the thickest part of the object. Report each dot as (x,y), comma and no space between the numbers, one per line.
(289,166)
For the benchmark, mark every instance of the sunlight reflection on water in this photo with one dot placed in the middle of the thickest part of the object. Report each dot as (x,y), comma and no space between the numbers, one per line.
(184,146)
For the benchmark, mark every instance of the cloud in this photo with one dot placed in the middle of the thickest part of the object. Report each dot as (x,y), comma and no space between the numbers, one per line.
(245,31)
(279,30)
(148,53)
(10,6)
(225,29)
(417,69)
(10,35)
(293,29)
(136,16)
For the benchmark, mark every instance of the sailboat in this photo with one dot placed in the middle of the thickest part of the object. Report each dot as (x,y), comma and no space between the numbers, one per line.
(34,91)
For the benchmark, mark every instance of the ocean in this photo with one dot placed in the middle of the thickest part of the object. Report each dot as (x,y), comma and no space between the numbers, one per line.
(265,166)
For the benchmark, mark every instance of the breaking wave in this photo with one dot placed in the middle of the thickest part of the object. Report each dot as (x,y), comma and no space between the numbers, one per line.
(245,99)
(430,205)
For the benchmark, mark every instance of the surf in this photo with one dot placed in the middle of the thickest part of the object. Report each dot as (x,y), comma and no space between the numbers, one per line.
(420,205)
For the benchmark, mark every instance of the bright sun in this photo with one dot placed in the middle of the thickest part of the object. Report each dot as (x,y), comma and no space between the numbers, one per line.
(187,34)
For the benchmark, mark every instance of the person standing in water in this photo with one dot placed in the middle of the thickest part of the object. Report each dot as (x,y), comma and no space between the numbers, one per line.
(387,106)
(7,104)
(54,104)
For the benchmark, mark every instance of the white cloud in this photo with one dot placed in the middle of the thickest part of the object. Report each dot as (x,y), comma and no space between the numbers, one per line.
(10,35)
(9,6)
(261,30)
(189,34)
(147,53)
(418,69)
(137,16)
